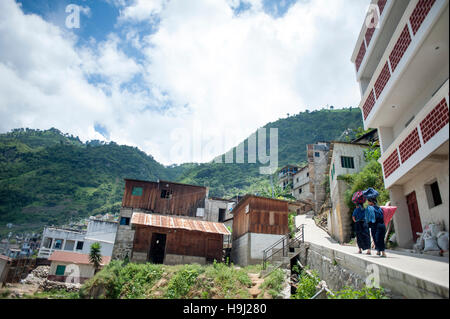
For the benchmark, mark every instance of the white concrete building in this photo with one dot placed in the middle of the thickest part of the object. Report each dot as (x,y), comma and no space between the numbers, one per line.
(301,189)
(103,232)
(402,66)
(345,158)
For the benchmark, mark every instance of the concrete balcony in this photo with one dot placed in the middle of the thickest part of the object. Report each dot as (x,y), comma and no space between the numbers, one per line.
(374,37)
(413,65)
(424,140)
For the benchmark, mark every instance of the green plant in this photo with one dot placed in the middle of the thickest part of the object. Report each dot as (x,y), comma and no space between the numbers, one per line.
(273,283)
(364,293)
(307,285)
(95,257)
(182,281)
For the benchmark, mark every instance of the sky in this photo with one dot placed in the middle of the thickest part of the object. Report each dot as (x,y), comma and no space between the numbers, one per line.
(183,80)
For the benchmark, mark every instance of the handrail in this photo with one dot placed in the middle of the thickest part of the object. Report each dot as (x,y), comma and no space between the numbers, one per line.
(286,241)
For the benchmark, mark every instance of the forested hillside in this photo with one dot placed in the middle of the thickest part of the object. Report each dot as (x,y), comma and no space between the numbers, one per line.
(47,177)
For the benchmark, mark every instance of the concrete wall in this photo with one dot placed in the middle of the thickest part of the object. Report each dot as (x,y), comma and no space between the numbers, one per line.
(212,207)
(248,249)
(4,268)
(340,269)
(339,217)
(123,244)
(439,214)
(171,259)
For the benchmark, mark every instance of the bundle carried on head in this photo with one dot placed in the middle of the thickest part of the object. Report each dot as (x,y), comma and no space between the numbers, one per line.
(371,194)
(358,198)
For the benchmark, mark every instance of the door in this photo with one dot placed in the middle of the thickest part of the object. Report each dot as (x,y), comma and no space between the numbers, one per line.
(414,217)
(157,248)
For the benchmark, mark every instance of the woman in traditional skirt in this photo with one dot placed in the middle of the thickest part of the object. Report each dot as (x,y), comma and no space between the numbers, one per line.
(377,227)
(361,227)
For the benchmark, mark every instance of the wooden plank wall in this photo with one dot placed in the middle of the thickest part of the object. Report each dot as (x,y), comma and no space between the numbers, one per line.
(184,201)
(181,242)
(266,216)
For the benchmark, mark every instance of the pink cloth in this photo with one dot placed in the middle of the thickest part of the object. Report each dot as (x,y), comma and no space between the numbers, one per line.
(388,213)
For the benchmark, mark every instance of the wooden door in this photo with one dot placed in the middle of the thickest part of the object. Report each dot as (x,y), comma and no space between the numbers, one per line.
(414,217)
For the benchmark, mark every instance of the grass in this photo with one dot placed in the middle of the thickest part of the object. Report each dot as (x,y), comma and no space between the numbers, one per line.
(273,284)
(150,281)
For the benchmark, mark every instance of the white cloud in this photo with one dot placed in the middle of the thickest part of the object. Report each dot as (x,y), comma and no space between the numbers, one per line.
(209,77)
(141,10)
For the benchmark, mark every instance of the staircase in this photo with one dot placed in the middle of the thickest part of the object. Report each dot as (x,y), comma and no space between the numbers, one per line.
(280,253)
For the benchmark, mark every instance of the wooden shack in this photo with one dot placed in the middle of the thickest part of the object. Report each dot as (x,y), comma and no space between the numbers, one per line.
(163,197)
(258,222)
(176,240)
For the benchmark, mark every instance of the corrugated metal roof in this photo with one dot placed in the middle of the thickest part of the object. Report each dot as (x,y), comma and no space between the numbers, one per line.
(75,258)
(178,223)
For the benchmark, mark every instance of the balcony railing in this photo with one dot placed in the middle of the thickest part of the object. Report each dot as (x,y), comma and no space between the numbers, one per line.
(406,38)
(423,135)
(369,35)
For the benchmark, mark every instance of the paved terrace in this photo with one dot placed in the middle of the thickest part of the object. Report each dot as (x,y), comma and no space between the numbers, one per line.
(407,274)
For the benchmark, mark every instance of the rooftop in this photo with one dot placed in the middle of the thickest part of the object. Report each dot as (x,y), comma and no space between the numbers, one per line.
(75,258)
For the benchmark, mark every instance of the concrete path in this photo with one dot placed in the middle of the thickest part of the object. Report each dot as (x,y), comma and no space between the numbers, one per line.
(430,268)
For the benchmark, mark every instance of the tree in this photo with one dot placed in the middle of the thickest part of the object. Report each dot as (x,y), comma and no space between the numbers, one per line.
(95,257)
(278,191)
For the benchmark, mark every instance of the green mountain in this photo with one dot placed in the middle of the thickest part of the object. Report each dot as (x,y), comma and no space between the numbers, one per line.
(47,177)
(294,133)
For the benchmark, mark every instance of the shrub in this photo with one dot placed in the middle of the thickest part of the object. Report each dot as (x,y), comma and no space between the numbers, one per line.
(181,283)
(365,293)
(307,284)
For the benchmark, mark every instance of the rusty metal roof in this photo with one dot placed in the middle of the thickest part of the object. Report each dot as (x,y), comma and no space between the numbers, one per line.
(75,258)
(179,223)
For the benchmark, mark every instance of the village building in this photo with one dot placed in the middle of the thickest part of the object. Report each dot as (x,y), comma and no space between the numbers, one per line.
(344,158)
(171,240)
(286,175)
(301,185)
(72,267)
(258,223)
(159,219)
(79,241)
(402,68)
(317,168)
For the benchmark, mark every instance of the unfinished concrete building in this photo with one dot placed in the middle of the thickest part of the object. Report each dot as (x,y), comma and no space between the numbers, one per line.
(317,167)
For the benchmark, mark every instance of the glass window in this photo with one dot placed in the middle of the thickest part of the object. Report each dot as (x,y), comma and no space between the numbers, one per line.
(60,270)
(316,154)
(137,191)
(433,194)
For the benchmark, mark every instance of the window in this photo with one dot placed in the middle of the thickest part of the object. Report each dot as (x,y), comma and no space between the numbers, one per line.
(137,191)
(332,172)
(307,174)
(299,190)
(347,162)
(125,221)
(69,245)
(433,194)
(316,154)
(60,270)
(221,214)
(166,193)
(80,245)
(58,244)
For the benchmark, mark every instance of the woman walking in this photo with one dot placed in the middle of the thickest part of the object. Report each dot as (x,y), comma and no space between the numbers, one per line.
(361,228)
(376,224)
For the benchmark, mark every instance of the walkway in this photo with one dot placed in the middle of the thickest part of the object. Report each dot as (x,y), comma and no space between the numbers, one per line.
(432,269)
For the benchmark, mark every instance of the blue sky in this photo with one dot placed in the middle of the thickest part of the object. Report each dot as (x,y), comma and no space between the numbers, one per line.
(182,80)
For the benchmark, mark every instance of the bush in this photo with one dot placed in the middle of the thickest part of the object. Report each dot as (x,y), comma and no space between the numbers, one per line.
(181,283)
(307,284)
(273,283)
(365,293)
